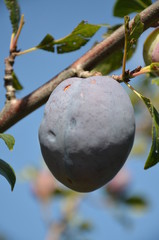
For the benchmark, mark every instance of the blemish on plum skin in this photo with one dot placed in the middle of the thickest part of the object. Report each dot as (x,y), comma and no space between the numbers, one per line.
(52,133)
(66,88)
(52,136)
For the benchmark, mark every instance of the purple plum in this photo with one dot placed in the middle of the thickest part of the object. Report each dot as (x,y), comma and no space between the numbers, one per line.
(151,47)
(87,131)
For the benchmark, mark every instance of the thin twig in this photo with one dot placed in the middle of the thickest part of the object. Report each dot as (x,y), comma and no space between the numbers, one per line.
(11,41)
(18,33)
(126,20)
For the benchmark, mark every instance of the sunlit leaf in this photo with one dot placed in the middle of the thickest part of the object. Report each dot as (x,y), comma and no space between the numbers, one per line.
(134,33)
(77,38)
(124,7)
(14,10)
(16,84)
(47,43)
(7,171)
(8,139)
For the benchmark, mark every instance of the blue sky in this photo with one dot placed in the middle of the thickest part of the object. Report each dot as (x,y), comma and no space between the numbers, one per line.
(20,213)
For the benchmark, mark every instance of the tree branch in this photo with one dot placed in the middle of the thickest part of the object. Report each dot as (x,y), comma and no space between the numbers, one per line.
(17,109)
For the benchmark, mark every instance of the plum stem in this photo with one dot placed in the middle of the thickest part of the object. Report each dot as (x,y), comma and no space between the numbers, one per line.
(152,68)
(26,51)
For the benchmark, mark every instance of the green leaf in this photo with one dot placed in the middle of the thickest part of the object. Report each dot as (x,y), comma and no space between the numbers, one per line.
(134,33)
(115,60)
(111,63)
(14,10)
(78,38)
(8,139)
(47,43)
(75,40)
(124,7)
(7,171)
(136,202)
(16,84)
(153,157)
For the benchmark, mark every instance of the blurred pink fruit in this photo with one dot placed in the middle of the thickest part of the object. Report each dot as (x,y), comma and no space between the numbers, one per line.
(119,183)
(44,185)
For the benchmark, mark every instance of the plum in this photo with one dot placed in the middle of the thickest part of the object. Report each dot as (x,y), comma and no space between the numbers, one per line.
(120,183)
(44,185)
(87,131)
(151,47)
